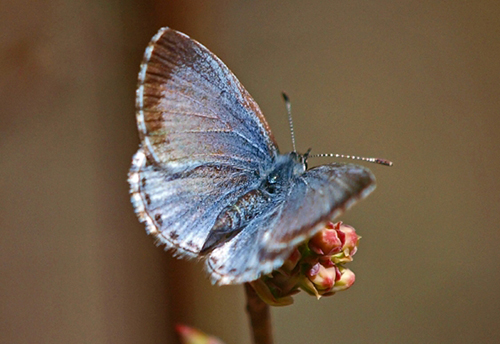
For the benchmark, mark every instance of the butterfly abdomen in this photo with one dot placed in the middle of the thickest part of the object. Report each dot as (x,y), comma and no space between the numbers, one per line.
(234,218)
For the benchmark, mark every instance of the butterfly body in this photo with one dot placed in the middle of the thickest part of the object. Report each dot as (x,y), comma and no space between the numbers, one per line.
(269,189)
(208,180)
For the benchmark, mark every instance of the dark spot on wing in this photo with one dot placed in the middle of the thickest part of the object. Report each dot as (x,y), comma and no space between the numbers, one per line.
(158,219)
(148,199)
(192,246)
(174,235)
(143,182)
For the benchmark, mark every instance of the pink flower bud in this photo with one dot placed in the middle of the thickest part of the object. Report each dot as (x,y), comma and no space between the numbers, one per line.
(350,239)
(345,281)
(189,335)
(349,247)
(326,241)
(323,278)
(319,280)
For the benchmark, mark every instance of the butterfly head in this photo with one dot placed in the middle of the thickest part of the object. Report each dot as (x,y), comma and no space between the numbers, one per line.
(301,161)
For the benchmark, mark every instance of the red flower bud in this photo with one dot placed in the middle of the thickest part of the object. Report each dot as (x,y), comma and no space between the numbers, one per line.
(189,335)
(326,241)
(350,241)
(346,280)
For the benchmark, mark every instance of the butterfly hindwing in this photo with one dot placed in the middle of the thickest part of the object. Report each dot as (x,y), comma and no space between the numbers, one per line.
(180,208)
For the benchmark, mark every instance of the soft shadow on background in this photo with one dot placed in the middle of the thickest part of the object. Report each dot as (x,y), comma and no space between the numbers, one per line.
(417,83)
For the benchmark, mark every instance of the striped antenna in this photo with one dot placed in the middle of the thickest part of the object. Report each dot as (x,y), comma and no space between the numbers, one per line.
(290,121)
(307,156)
(353,157)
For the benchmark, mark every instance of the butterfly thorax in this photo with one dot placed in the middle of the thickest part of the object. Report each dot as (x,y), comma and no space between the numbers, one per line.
(272,186)
(284,168)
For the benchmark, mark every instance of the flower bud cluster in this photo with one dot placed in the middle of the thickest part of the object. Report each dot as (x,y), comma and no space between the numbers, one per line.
(316,267)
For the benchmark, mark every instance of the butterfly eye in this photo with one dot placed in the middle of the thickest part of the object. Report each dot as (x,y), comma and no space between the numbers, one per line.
(270,183)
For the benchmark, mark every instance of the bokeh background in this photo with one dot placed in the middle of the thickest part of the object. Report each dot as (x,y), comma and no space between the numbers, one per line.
(414,82)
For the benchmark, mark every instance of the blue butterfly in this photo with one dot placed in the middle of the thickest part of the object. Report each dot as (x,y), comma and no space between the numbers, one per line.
(208,179)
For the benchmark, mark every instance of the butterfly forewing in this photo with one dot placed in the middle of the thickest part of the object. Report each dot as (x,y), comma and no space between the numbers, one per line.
(191,110)
(204,141)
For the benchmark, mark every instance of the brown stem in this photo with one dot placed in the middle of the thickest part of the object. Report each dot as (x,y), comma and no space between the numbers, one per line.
(260,317)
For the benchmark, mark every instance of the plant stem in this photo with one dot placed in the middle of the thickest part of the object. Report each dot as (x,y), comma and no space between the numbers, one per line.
(260,317)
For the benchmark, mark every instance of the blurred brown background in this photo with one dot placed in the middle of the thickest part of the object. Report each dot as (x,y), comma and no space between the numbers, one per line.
(414,82)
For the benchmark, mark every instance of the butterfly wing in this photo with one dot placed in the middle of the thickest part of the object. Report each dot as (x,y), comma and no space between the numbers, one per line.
(312,199)
(191,110)
(204,141)
(316,197)
(179,209)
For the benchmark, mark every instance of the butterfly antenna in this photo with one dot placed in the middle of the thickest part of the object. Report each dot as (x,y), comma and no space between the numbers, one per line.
(353,157)
(290,121)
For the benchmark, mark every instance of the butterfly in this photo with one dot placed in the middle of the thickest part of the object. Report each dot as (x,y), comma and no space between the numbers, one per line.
(208,179)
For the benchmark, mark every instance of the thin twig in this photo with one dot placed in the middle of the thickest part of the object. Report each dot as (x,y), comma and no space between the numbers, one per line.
(260,317)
